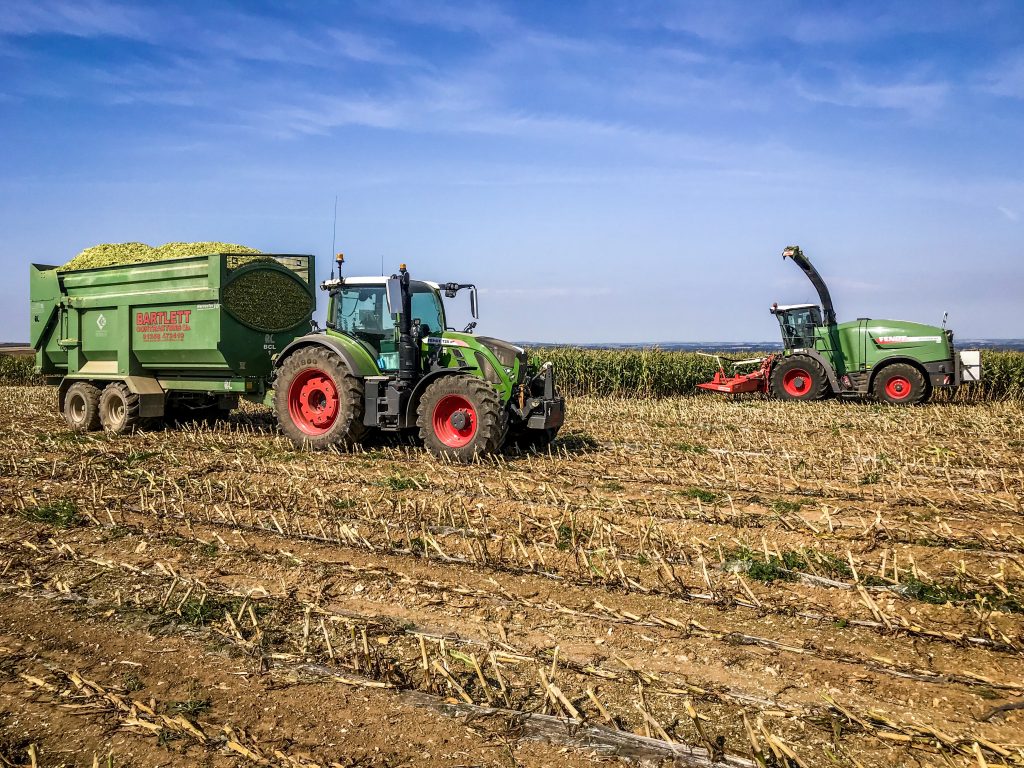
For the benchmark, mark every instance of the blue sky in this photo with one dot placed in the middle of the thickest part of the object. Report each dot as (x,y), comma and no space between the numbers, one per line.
(604,171)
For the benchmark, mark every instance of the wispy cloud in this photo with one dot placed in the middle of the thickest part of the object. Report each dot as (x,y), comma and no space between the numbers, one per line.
(547,292)
(1009,213)
(1006,77)
(911,96)
(76,18)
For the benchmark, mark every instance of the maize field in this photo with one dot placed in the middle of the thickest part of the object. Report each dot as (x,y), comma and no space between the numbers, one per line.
(654,372)
(688,581)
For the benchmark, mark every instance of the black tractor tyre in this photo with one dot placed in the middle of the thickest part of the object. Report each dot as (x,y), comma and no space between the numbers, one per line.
(799,377)
(317,400)
(533,439)
(460,417)
(119,409)
(82,407)
(900,384)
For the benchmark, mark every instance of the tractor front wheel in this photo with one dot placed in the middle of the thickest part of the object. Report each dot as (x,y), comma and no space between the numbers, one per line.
(900,384)
(460,417)
(317,401)
(798,378)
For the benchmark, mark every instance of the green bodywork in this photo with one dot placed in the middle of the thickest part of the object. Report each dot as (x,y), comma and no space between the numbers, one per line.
(372,339)
(857,348)
(163,321)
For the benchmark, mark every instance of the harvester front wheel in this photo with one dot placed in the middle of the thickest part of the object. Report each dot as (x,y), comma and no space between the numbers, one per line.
(82,407)
(318,402)
(798,378)
(900,384)
(118,408)
(461,417)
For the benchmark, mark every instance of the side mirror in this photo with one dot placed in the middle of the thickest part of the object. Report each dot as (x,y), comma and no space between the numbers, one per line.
(394,293)
(473,308)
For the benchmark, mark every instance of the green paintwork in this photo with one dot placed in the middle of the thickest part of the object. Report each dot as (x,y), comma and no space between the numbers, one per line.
(862,346)
(160,319)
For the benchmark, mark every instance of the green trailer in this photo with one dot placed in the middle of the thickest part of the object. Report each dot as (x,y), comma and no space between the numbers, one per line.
(181,338)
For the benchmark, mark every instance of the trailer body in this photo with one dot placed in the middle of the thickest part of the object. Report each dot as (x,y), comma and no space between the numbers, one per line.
(171,329)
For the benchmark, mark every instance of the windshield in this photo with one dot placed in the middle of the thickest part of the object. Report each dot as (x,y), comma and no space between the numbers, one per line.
(798,326)
(362,311)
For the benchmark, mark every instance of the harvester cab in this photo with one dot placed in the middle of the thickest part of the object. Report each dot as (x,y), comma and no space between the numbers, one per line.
(389,361)
(894,361)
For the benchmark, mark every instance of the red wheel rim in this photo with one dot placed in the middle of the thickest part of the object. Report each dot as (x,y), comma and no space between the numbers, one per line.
(796,382)
(897,388)
(313,401)
(452,410)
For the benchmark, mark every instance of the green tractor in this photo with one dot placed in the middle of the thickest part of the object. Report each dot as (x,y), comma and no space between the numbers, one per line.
(388,361)
(895,361)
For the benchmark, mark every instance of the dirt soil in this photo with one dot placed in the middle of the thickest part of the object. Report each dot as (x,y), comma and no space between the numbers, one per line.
(689,581)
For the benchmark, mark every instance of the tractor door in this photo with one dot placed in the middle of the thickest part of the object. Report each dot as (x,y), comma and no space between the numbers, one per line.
(363,313)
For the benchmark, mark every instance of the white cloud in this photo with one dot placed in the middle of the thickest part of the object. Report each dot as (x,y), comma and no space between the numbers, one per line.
(76,18)
(547,292)
(1006,78)
(916,98)
(1009,213)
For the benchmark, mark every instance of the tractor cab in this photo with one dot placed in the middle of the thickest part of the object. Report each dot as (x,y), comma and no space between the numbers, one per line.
(362,309)
(797,322)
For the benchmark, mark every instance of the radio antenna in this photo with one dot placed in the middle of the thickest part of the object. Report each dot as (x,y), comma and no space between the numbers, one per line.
(334,234)
(382,265)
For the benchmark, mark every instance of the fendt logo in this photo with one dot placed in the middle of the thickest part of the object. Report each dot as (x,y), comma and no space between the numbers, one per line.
(907,339)
(101,322)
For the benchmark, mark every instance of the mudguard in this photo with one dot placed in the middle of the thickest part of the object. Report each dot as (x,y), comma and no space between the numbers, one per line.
(361,365)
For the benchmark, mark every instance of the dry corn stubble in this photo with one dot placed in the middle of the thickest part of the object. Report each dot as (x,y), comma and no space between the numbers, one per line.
(664,503)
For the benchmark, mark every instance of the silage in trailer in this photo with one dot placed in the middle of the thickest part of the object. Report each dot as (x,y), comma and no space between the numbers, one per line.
(118,254)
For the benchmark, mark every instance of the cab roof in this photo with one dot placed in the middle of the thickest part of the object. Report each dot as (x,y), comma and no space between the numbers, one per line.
(383,280)
(785,307)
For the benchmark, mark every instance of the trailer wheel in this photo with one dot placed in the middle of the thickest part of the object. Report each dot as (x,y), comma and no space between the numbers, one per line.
(900,384)
(118,408)
(461,417)
(317,401)
(798,378)
(82,407)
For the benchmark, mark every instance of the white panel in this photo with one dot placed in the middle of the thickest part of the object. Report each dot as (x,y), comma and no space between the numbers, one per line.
(970,365)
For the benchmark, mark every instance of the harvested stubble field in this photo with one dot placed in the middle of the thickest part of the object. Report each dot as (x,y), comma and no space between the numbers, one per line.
(687,580)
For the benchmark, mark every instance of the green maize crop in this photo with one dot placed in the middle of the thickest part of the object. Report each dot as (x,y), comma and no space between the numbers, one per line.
(647,373)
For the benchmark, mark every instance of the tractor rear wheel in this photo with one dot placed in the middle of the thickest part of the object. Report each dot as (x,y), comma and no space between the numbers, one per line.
(900,384)
(82,407)
(461,417)
(318,402)
(799,377)
(119,408)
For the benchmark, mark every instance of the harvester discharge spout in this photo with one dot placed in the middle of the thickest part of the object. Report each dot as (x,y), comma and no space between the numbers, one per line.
(828,311)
